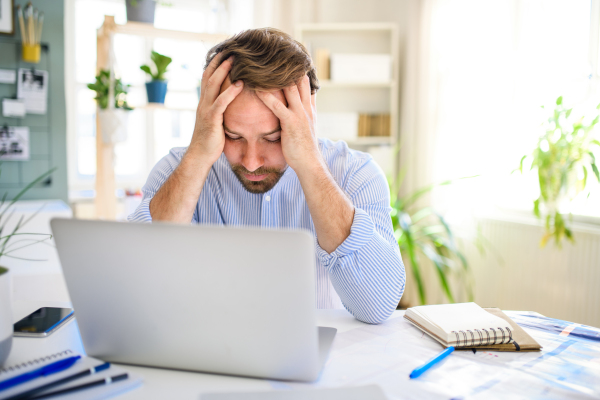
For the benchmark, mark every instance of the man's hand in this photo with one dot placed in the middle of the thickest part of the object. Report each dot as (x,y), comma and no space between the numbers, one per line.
(177,198)
(208,139)
(331,210)
(298,137)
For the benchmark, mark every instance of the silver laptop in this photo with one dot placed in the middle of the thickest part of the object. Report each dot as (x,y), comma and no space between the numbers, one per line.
(214,299)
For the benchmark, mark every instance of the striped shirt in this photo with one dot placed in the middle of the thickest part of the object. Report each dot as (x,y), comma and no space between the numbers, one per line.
(365,274)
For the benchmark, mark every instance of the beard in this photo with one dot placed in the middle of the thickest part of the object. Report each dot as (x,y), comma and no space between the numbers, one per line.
(257,187)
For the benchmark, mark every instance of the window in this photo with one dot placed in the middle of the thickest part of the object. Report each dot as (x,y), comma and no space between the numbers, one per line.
(497,63)
(152,131)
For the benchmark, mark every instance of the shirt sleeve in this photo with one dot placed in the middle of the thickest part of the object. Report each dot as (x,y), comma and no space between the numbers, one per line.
(158,176)
(366,270)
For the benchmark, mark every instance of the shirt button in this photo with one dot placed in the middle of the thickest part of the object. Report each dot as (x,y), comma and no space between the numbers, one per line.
(268,198)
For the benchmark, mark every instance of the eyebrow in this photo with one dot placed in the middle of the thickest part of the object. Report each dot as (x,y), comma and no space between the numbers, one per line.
(262,134)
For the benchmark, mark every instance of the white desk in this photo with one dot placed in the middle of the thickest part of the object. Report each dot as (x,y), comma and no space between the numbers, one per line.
(362,354)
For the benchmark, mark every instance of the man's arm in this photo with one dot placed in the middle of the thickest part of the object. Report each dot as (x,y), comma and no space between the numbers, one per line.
(177,198)
(353,243)
(331,210)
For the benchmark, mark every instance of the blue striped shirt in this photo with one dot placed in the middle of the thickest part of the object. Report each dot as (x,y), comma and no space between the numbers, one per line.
(365,274)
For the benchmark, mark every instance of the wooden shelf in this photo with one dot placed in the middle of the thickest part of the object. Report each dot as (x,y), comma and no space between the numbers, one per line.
(337,27)
(370,141)
(158,106)
(361,85)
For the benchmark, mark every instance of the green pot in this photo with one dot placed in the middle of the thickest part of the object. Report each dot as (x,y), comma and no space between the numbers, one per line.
(6,317)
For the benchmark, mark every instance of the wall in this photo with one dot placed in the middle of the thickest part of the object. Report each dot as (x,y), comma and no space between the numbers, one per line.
(47,132)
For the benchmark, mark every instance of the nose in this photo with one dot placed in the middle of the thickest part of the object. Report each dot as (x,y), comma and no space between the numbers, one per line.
(252,158)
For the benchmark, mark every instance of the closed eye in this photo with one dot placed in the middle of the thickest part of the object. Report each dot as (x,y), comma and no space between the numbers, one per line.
(233,138)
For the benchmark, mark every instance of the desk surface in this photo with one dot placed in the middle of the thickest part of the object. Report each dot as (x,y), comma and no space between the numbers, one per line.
(567,367)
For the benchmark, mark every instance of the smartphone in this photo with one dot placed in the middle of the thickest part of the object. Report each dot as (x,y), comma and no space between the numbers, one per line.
(43,322)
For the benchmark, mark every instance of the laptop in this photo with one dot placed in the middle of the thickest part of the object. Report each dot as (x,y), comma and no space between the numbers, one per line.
(236,301)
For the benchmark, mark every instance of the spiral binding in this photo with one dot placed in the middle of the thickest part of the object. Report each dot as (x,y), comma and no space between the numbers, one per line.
(37,361)
(481,339)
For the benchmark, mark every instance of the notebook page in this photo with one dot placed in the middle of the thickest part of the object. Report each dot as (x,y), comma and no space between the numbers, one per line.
(460,316)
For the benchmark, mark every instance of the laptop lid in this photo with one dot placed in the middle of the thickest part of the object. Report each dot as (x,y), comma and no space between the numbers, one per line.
(216,299)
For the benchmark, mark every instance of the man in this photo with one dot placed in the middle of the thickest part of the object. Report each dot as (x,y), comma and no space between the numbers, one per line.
(254,160)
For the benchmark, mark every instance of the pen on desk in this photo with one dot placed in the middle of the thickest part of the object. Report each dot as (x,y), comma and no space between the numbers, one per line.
(49,369)
(106,381)
(419,371)
(28,394)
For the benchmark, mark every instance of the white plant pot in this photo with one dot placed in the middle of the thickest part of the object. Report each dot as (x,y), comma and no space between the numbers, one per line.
(6,318)
(113,124)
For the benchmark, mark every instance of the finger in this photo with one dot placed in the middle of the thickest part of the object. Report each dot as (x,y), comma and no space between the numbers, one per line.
(292,95)
(227,97)
(276,106)
(304,88)
(214,83)
(212,66)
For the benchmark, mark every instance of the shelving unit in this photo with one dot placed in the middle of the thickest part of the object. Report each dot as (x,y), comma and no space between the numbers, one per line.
(358,97)
(106,201)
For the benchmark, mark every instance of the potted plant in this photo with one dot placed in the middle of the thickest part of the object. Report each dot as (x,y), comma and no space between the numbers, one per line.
(157,88)
(141,10)
(113,117)
(6,248)
(424,235)
(563,158)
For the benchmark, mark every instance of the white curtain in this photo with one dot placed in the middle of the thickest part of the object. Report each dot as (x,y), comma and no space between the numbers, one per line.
(476,74)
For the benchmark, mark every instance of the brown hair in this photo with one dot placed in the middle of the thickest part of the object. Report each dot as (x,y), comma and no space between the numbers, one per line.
(266,58)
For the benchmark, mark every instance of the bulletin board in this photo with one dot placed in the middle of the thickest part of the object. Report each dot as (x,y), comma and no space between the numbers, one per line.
(15,174)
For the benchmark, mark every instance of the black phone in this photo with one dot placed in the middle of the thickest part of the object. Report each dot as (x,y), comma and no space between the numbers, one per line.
(43,322)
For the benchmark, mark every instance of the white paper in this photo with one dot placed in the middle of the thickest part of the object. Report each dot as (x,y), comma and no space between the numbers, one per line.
(14,143)
(338,126)
(32,86)
(14,108)
(459,316)
(361,68)
(8,76)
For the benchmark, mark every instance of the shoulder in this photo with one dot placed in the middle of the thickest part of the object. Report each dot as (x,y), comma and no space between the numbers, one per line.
(355,171)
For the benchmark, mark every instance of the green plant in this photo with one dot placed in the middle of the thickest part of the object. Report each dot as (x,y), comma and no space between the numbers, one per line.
(563,158)
(6,246)
(422,232)
(101,87)
(161,63)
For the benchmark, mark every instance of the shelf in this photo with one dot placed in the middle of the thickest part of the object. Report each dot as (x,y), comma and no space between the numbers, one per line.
(148,30)
(368,141)
(375,26)
(158,106)
(366,85)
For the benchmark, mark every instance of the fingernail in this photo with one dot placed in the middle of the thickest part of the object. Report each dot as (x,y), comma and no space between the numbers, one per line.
(238,83)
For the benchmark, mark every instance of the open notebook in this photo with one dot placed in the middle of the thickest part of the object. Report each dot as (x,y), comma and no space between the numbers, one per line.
(99,392)
(467,326)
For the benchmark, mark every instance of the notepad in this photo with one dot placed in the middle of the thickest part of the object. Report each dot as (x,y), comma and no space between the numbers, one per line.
(467,325)
(84,363)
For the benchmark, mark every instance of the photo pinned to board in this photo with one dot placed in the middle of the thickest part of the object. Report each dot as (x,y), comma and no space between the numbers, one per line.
(32,87)
(14,143)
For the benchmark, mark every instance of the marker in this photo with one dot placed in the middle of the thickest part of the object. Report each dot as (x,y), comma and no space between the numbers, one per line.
(30,393)
(50,369)
(417,372)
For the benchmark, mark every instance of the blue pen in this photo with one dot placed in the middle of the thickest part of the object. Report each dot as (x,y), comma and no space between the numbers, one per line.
(417,372)
(53,368)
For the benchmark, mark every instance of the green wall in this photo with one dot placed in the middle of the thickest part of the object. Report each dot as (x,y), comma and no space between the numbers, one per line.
(48,133)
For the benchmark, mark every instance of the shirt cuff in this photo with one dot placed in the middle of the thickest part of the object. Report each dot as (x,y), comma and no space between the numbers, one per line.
(361,232)
(142,213)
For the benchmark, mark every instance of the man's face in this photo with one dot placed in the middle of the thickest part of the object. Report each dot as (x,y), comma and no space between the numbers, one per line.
(253,141)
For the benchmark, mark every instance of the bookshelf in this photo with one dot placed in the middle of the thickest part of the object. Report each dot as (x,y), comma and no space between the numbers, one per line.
(106,200)
(356,96)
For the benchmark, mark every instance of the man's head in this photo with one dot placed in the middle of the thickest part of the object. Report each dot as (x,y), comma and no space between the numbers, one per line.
(265,60)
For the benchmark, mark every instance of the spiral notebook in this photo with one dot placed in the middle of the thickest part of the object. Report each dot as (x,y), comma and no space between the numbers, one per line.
(468,326)
(99,392)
